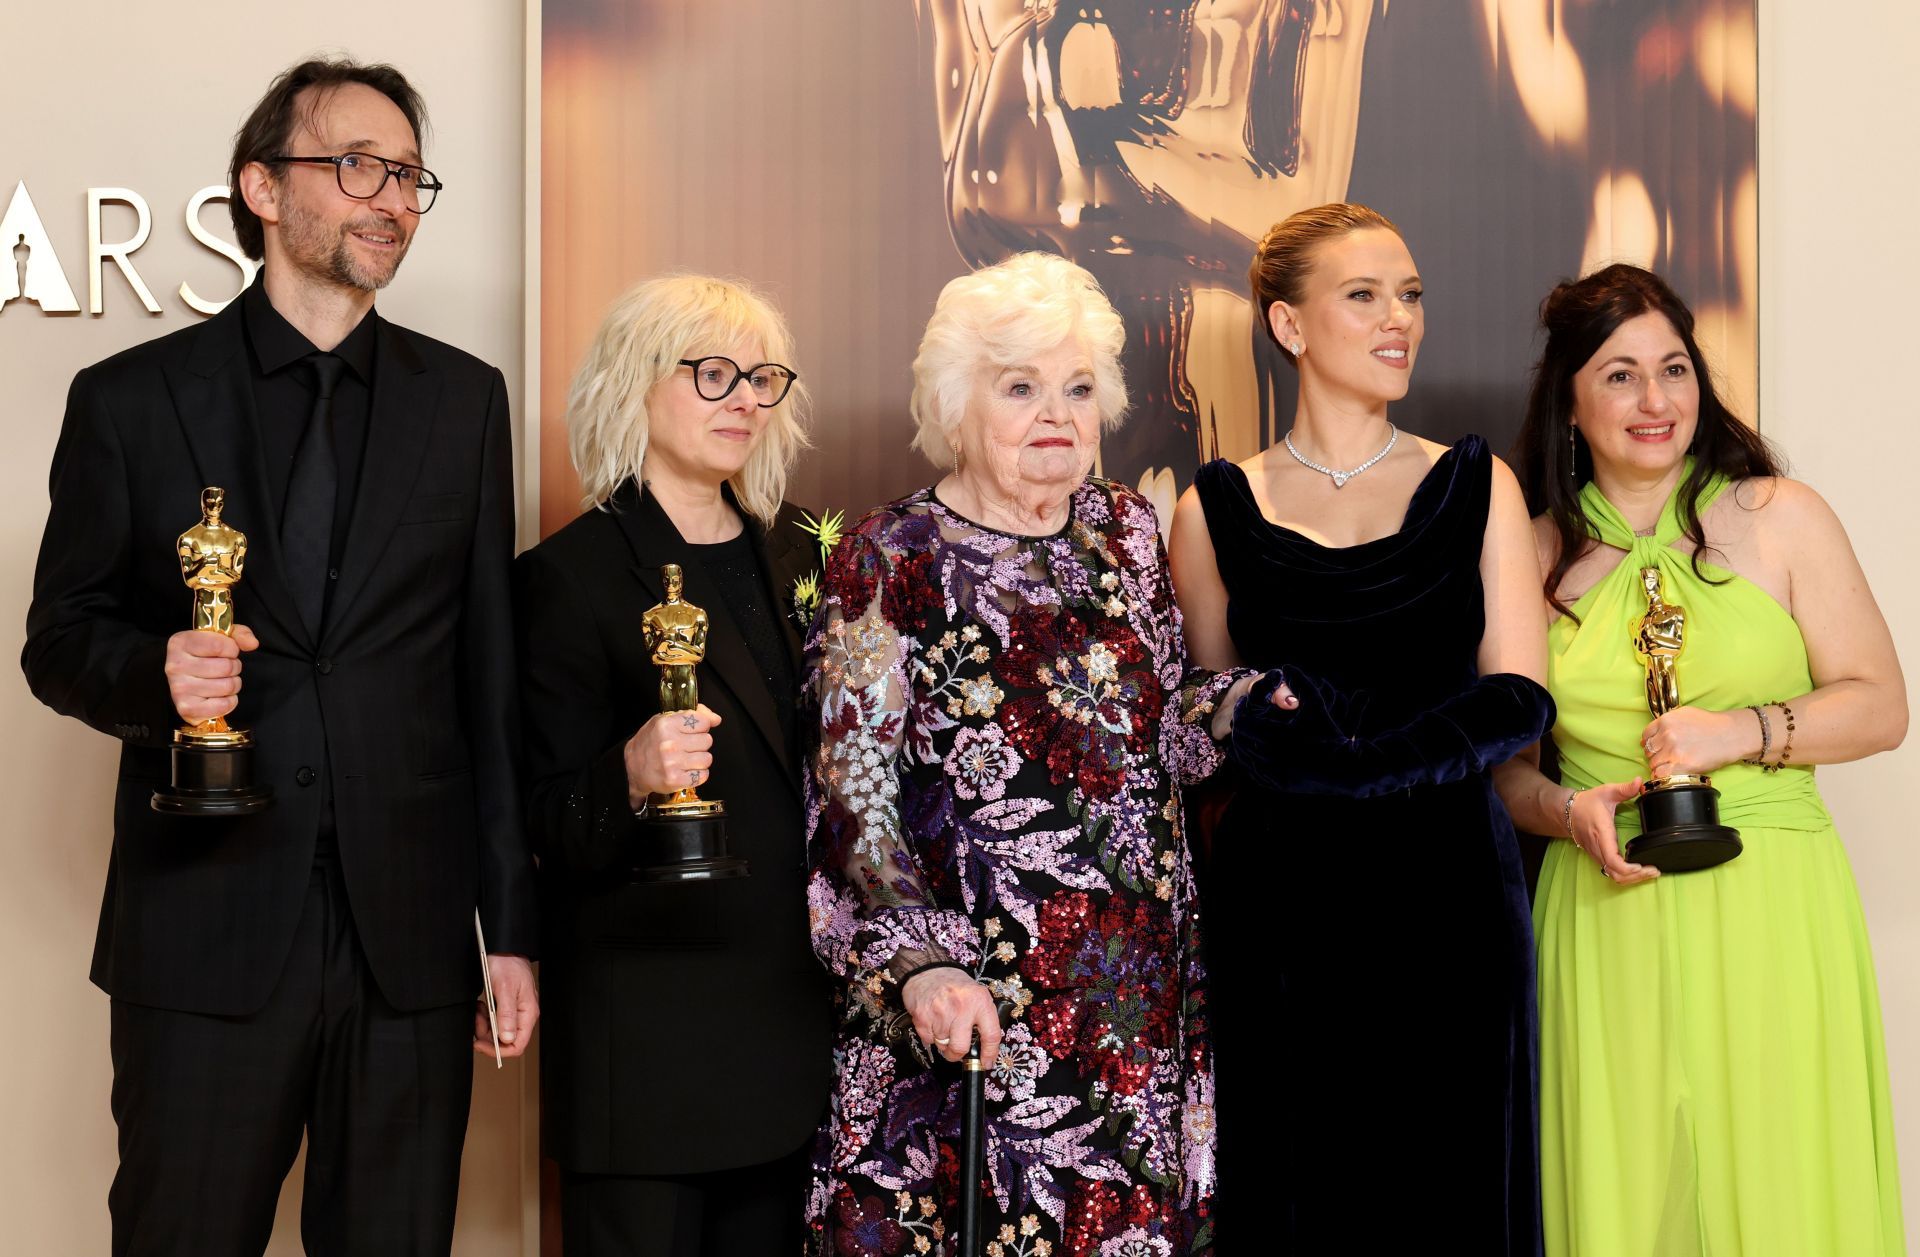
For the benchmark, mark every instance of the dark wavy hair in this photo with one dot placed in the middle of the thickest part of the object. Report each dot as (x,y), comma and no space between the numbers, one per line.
(269,128)
(1579,316)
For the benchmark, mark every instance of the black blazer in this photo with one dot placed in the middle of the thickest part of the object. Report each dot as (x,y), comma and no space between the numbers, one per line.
(687,1026)
(406,698)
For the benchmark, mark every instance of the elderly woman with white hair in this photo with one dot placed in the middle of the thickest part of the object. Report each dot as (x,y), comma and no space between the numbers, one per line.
(688,1029)
(996,830)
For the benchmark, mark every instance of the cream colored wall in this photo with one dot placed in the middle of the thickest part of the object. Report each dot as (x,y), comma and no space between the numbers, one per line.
(147,96)
(1839,261)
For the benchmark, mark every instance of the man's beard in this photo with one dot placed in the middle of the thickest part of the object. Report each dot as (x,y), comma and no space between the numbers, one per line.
(308,245)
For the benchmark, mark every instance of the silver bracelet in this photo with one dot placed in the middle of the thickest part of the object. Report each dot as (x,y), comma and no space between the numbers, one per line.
(1566,813)
(1766,736)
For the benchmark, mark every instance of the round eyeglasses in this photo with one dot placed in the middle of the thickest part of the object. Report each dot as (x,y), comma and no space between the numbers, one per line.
(715,378)
(362,175)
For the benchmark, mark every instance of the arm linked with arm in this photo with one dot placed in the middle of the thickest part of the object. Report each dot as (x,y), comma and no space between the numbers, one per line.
(1189,747)
(1319,747)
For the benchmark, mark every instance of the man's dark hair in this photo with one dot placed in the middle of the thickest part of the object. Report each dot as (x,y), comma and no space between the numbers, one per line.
(270,127)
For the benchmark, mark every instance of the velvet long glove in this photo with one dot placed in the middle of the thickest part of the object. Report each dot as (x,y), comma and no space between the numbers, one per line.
(1318,747)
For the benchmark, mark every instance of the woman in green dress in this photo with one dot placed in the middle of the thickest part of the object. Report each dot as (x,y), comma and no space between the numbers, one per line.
(1713,1077)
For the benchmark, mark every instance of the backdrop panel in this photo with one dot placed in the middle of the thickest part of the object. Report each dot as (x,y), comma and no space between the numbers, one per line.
(851,156)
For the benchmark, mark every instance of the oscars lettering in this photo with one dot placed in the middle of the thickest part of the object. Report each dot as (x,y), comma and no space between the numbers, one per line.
(31,271)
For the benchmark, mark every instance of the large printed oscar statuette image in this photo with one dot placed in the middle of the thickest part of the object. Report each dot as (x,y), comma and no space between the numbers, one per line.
(212,761)
(1680,828)
(683,836)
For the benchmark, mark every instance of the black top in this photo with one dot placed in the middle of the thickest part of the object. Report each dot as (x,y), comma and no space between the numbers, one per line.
(733,1067)
(283,391)
(734,568)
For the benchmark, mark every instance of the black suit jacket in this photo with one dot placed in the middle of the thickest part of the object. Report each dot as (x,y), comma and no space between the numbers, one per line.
(405,698)
(687,1026)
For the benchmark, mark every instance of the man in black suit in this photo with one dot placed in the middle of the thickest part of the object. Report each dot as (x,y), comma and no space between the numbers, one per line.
(310,967)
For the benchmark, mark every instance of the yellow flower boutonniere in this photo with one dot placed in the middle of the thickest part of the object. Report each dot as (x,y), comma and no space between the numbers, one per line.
(826,533)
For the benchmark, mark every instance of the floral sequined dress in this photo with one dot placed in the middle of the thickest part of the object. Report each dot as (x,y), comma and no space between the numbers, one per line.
(994,786)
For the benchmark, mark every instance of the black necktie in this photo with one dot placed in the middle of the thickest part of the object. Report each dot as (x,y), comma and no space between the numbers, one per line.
(306,525)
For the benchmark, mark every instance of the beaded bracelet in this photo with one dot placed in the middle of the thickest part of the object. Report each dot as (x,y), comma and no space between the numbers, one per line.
(1786,748)
(1766,736)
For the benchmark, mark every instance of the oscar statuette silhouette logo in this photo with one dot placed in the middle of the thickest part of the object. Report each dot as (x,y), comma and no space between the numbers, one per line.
(1680,828)
(212,761)
(1153,144)
(683,836)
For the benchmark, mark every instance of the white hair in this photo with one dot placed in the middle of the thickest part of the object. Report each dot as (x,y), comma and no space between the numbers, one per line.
(1003,315)
(641,340)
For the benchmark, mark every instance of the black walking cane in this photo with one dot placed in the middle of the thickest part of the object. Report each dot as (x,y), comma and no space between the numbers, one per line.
(973,1147)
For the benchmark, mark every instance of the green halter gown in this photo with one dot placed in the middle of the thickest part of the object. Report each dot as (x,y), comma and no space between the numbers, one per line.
(1713,1076)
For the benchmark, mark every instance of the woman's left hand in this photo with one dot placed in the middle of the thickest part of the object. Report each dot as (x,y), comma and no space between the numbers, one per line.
(1690,740)
(1222,726)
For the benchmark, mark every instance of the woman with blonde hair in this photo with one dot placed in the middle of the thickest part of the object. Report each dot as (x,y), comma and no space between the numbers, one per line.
(686,1053)
(997,847)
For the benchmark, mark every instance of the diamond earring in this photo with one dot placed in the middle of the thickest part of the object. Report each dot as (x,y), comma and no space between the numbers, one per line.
(1297,348)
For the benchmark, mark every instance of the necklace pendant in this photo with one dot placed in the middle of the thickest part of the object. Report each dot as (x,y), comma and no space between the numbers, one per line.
(1340,478)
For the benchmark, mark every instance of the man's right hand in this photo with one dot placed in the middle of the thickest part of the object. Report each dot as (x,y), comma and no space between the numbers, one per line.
(203,671)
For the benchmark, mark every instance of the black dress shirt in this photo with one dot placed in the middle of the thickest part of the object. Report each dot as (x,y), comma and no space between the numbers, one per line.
(283,390)
(283,393)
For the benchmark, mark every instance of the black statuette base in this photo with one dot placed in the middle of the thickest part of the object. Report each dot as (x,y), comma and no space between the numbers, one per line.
(687,849)
(1681,830)
(212,781)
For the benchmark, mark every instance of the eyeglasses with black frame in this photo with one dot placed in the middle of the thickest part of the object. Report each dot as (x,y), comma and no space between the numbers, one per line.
(362,175)
(715,377)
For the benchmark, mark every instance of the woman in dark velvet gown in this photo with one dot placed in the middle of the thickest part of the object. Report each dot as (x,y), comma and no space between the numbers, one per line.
(1373,994)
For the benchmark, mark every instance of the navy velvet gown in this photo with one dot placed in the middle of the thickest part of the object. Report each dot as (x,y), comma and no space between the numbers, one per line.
(1367,915)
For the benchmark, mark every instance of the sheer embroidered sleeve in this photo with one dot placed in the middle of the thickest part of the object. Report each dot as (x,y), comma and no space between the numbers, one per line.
(1187,747)
(874,915)
(1188,744)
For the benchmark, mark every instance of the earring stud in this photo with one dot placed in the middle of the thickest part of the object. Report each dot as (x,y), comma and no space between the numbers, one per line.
(1297,348)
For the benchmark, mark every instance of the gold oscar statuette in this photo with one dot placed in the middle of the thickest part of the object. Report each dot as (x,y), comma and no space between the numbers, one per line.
(683,836)
(1680,828)
(212,761)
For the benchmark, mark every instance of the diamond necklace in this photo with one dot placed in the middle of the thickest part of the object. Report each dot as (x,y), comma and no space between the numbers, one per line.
(1340,478)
